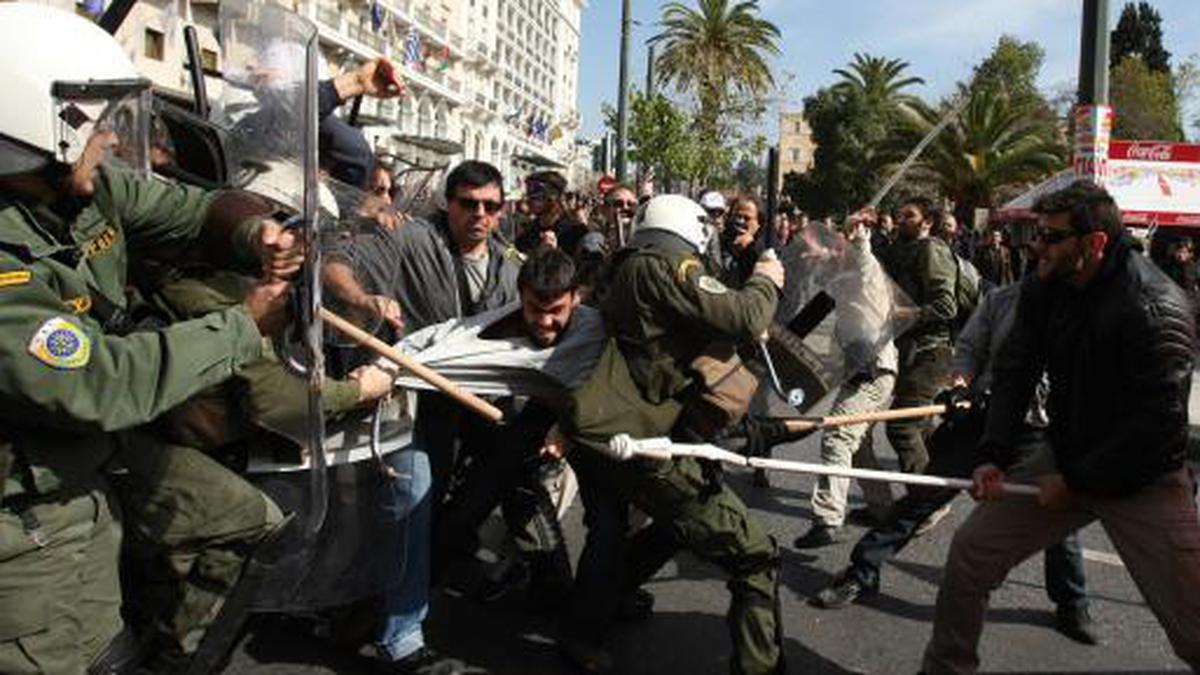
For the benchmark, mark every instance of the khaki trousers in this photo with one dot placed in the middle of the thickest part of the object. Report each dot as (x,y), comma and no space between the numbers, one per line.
(1155,531)
(852,444)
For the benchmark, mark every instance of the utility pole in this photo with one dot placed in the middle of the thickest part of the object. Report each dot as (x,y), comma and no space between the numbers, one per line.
(623,94)
(1093,115)
(1093,54)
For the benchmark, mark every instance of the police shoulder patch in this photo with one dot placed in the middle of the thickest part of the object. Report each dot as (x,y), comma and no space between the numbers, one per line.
(685,268)
(61,344)
(711,285)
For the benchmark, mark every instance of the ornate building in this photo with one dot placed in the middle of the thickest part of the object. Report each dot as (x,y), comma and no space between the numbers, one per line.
(496,78)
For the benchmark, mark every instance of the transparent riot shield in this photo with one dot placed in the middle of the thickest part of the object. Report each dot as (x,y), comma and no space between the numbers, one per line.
(837,317)
(267,111)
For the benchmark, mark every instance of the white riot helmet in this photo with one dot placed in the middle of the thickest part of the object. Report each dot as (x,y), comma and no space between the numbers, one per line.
(63,77)
(678,215)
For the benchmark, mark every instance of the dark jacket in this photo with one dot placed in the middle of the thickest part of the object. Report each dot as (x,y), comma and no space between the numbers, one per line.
(417,265)
(1119,354)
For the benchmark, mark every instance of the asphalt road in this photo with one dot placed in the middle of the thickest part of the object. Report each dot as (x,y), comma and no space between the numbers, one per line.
(687,633)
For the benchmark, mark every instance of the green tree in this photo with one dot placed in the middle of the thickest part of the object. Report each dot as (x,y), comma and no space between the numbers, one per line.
(991,150)
(879,81)
(853,125)
(1139,33)
(661,135)
(718,53)
(852,149)
(1144,103)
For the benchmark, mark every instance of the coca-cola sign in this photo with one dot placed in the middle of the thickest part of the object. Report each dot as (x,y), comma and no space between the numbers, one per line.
(1154,151)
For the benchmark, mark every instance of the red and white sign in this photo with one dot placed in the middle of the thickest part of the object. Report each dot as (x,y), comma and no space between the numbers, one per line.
(605,184)
(1154,151)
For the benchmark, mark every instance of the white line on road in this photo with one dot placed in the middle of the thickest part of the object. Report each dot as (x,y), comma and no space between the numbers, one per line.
(1103,557)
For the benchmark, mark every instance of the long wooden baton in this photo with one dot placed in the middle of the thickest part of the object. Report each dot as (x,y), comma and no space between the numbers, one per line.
(444,385)
(661,449)
(798,425)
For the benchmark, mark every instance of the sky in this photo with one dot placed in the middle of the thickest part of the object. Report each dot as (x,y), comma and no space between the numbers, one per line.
(941,40)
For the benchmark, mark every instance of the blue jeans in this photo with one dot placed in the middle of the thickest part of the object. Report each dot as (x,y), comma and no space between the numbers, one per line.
(405,517)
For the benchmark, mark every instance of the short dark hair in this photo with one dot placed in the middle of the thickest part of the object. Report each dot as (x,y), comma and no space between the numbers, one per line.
(547,273)
(747,198)
(924,205)
(1090,206)
(473,174)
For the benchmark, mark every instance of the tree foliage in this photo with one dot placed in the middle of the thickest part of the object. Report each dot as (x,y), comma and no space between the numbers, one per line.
(853,123)
(1144,102)
(718,53)
(991,150)
(1139,33)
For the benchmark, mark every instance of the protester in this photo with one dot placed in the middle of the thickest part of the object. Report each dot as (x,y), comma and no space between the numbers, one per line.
(925,270)
(954,447)
(870,356)
(993,260)
(1099,318)
(551,222)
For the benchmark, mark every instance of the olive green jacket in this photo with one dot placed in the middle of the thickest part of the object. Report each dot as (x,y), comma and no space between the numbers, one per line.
(64,381)
(663,310)
(926,271)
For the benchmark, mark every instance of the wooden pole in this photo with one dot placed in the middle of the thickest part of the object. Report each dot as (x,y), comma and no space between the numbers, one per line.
(861,418)
(444,385)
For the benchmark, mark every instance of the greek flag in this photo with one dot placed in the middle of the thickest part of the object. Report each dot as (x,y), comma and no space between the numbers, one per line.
(412,49)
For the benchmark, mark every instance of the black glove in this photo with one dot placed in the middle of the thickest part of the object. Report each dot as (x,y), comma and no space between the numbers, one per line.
(958,400)
(762,434)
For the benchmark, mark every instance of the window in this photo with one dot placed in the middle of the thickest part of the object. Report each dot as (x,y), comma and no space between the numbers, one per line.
(155,45)
(799,127)
(795,155)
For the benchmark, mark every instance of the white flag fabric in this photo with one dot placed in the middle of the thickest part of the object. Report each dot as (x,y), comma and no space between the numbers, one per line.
(465,352)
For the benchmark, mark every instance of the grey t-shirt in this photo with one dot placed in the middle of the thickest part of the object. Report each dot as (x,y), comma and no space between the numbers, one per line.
(472,275)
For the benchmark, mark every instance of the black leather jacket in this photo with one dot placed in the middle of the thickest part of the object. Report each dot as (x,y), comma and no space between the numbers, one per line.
(1119,354)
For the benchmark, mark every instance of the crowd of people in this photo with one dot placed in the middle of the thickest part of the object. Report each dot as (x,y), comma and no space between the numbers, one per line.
(137,375)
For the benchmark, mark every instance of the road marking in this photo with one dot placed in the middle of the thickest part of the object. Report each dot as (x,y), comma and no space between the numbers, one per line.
(1103,557)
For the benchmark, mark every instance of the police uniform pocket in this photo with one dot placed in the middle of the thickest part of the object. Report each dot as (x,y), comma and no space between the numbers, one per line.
(24,621)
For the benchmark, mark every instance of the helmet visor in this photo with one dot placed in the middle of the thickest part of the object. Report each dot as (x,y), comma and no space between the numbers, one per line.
(104,122)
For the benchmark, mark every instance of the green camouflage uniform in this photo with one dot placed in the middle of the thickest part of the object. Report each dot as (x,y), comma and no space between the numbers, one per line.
(68,383)
(192,521)
(926,270)
(663,311)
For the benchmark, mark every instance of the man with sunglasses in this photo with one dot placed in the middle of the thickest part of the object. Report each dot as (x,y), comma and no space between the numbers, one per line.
(1117,339)
(449,267)
(620,206)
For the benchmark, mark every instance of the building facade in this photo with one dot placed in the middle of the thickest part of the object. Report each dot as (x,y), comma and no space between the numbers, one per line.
(496,79)
(796,145)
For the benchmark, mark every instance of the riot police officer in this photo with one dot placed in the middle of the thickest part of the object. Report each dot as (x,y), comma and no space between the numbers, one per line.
(668,370)
(71,224)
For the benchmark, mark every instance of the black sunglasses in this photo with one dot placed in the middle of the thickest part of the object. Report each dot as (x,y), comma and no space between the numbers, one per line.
(1052,237)
(623,204)
(491,207)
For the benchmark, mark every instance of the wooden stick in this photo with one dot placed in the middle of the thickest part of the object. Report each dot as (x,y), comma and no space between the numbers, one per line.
(444,385)
(860,418)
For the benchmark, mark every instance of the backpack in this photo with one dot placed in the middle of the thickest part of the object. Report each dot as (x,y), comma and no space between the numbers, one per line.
(969,287)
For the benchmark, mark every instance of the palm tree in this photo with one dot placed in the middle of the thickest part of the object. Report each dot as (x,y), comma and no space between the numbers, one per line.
(717,52)
(878,80)
(991,150)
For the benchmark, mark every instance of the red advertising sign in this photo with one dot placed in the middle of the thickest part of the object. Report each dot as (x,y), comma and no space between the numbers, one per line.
(1154,151)
(605,184)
